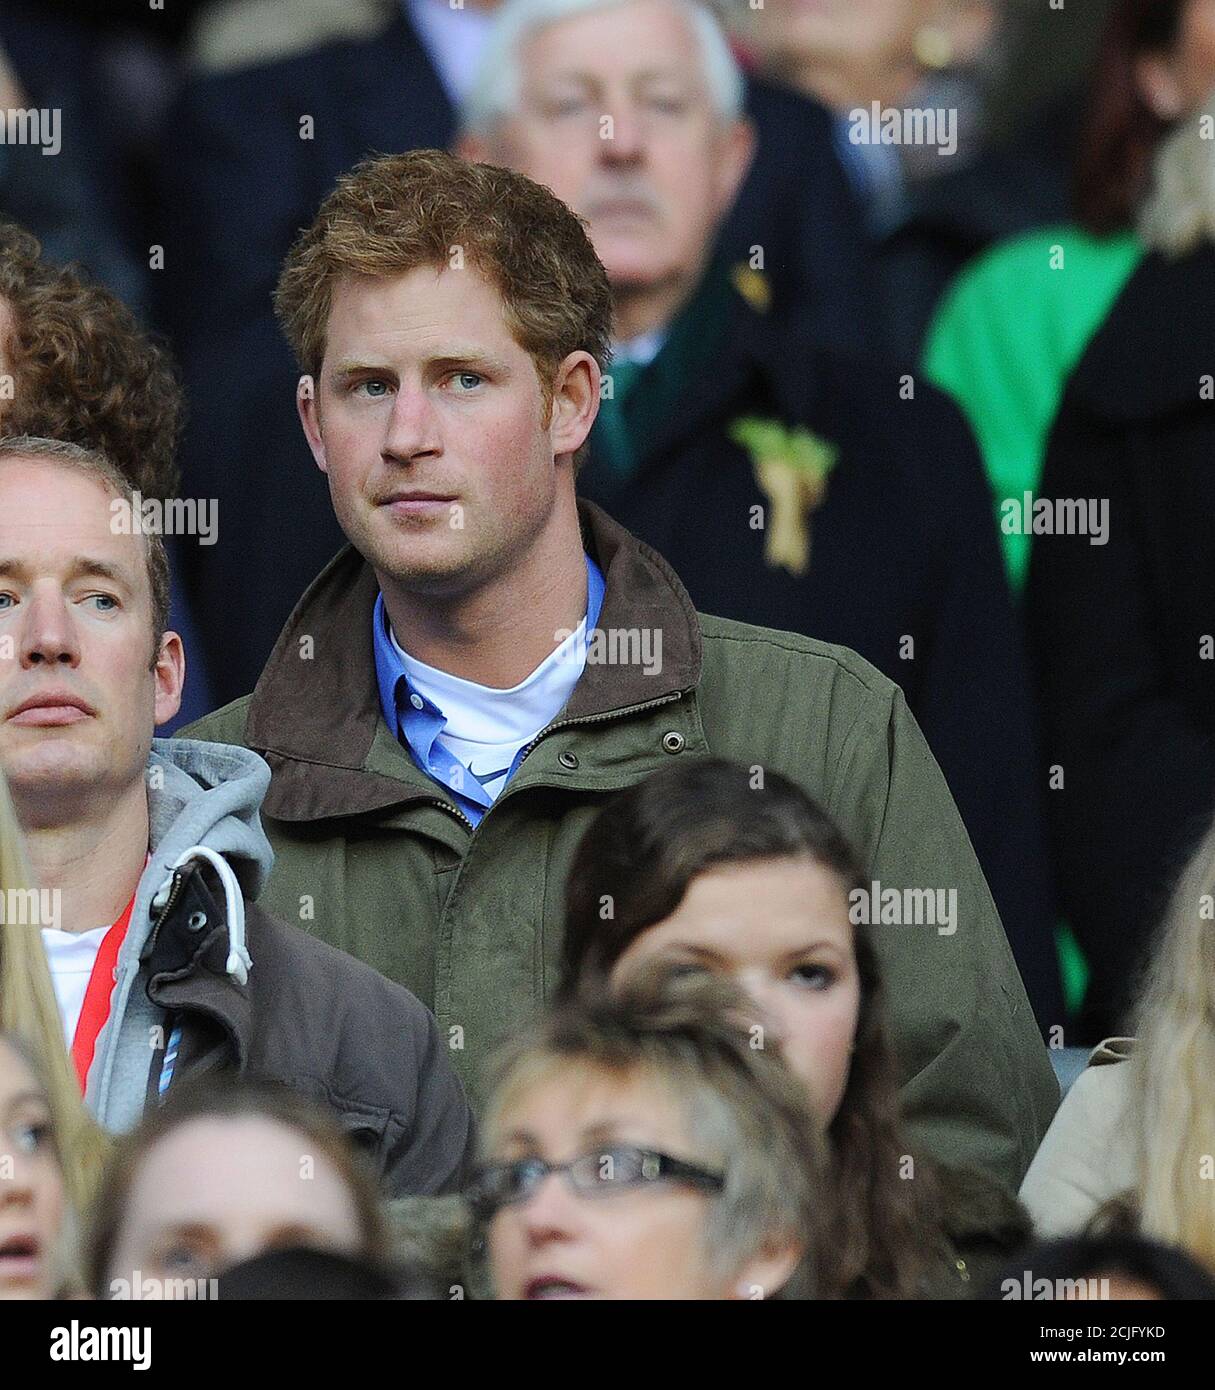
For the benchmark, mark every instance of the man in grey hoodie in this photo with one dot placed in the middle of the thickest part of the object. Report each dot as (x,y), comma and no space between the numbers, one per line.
(149,854)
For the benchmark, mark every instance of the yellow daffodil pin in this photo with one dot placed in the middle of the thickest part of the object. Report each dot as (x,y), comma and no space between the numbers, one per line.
(791,467)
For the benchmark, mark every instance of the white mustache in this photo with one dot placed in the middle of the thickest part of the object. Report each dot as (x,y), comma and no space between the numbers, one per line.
(597,197)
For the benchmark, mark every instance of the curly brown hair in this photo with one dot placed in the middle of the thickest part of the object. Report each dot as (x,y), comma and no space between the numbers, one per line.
(393,213)
(84,370)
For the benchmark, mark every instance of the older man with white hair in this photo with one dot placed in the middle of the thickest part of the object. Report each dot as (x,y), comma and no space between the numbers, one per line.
(790,485)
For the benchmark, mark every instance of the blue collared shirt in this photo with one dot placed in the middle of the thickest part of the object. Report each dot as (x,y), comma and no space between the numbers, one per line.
(417,722)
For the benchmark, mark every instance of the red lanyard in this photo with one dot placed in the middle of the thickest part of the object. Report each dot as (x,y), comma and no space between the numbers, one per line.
(96,1007)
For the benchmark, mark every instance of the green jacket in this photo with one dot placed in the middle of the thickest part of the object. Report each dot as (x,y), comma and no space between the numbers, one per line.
(1007,336)
(374,856)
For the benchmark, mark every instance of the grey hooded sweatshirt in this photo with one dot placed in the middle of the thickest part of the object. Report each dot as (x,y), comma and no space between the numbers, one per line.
(205,979)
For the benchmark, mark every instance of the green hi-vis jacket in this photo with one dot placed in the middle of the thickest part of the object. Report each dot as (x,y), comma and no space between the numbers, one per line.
(375,858)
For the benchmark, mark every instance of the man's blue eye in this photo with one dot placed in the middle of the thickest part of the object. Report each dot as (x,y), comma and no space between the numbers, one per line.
(469,380)
(376,389)
(105,599)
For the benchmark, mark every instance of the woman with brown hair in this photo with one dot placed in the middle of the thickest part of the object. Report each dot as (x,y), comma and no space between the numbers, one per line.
(712,866)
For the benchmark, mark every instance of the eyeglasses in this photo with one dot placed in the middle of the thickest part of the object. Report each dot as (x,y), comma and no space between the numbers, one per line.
(596,1173)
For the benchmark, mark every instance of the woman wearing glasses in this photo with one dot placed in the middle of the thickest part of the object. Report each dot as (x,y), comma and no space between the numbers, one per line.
(646,1146)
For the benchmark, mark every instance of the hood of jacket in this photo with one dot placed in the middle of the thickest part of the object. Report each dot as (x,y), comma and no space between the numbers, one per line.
(202,797)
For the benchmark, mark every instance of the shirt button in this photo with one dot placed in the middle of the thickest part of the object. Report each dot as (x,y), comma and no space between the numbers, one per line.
(568,760)
(416,701)
(673,741)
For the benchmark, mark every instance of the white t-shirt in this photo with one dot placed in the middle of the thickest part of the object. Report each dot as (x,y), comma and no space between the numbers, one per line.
(71,956)
(486,727)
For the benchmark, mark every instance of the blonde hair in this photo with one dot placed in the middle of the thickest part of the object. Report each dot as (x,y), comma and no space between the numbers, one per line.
(30,1013)
(1173,1102)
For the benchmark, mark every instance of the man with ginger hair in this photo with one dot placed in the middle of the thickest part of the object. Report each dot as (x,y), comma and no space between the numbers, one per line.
(437,715)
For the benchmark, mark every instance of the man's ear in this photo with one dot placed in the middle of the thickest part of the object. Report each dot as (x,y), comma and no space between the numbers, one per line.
(575,402)
(768,1272)
(170,673)
(310,418)
(734,159)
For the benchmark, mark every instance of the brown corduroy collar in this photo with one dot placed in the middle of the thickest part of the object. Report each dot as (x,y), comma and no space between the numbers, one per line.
(315,713)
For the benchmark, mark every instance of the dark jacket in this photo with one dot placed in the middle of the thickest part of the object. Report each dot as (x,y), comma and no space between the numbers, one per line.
(1122,631)
(946,220)
(797,209)
(904,562)
(472,921)
(304,1014)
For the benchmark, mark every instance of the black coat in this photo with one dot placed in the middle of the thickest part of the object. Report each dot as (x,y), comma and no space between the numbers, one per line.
(904,545)
(237,184)
(1127,695)
(797,205)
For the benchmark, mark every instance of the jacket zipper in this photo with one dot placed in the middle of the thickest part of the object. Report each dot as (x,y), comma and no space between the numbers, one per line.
(601,718)
(170,902)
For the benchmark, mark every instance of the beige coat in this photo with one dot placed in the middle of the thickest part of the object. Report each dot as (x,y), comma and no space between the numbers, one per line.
(1087,1156)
